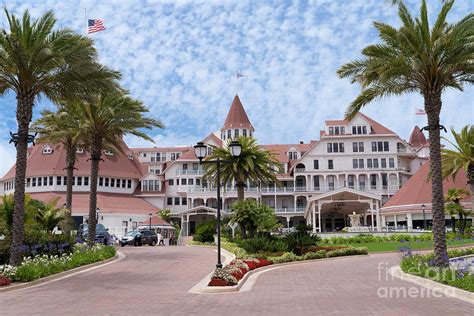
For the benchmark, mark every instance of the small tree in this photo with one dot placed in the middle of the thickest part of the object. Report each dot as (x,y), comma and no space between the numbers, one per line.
(453,207)
(49,216)
(164,214)
(253,217)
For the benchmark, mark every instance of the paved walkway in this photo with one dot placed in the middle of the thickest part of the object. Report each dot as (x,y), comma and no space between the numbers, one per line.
(155,280)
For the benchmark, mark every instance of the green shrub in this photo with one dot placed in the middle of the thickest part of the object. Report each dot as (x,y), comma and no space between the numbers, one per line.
(205,232)
(315,255)
(234,248)
(299,241)
(350,251)
(262,244)
(286,257)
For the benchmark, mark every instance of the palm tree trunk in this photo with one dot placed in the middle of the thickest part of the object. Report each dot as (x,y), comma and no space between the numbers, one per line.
(95,160)
(23,115)
(433,109)
(461,224)
(70,162)
(453,221)
(241,197)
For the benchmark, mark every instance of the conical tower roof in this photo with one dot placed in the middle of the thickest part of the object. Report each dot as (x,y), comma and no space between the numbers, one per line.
(237,117)
(417,138)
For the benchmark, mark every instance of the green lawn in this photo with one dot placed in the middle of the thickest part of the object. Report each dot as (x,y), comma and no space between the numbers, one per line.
(395,245)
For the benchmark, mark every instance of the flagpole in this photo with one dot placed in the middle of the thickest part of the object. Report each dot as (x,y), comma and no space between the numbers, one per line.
(85,21)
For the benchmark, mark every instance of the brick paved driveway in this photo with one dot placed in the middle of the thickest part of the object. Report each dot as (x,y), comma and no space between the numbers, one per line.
(156,281)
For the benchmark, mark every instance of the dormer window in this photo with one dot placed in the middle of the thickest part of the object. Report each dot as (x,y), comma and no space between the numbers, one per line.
(108,152)
(359,130)
(80,151)
(130,157)
(47,150)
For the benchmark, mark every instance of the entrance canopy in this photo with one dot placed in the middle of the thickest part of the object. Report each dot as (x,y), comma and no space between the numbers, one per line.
(340,204)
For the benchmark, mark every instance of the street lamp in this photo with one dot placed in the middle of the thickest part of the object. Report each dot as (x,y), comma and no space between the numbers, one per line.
(150,219)
(423,206)
(97,211)
(200,150)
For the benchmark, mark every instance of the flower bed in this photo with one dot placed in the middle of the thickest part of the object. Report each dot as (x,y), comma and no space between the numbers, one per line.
(235,271)
(458,275)
(40,266)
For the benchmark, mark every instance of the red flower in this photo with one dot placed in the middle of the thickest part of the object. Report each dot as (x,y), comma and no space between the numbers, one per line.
(217,282)
(4,281)
(252,265)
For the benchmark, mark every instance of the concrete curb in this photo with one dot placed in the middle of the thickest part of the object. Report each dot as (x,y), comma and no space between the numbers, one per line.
(447,290)
(63,275)
(247,282)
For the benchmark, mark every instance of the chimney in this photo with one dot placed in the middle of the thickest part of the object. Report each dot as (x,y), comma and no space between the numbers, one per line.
(301,142)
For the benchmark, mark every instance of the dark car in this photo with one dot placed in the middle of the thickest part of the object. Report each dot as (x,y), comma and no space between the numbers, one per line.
(138,238)
(101,233)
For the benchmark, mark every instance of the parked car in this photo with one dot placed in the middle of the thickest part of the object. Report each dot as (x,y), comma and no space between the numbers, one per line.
(138,238)
(101,233)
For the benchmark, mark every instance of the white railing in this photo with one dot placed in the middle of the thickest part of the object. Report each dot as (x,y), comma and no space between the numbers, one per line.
(189,172)
(223,190)
(300,170)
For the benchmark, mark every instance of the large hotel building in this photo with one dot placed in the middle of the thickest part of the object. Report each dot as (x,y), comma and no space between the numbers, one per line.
(355,166)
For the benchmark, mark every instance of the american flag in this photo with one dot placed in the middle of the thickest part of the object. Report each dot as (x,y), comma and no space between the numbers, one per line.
(96,25)
(419,111)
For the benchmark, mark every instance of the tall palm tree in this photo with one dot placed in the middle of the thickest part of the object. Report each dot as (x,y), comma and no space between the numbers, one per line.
(62,128)
(36,60)
(105,120)
(254,164)
(415,58)
(462,157)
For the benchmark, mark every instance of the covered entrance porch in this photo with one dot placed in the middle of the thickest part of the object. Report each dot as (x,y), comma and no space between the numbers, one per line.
(192,217)
(332,211)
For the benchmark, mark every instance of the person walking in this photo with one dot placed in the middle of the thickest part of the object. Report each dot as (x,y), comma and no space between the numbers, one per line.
(160,239)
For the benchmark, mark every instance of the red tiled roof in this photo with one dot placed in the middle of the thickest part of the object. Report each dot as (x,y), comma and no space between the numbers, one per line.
(188,155)
(417,138)
(156,220)
(377,128)
(237,117)
(417,190)
(106,202)
(215,139)
(336,122)
(116,165)
(160,149)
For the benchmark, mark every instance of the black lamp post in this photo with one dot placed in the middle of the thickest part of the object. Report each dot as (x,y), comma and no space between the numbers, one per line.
(423,206)
(97,211)
(200,150)
(150,219)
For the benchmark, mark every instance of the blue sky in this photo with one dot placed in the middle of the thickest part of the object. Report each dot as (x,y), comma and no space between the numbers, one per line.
(180,59)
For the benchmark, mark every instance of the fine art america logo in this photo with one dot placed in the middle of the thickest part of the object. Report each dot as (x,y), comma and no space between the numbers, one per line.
(394,287)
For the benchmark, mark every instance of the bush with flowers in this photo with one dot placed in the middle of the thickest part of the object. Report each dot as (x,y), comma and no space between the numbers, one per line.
(235,271)
(41,265)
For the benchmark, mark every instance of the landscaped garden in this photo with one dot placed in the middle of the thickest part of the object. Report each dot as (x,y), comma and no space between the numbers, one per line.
(458,274)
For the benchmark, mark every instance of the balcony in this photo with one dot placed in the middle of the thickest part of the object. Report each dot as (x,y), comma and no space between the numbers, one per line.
(300,170)
(189,172)
(289,210)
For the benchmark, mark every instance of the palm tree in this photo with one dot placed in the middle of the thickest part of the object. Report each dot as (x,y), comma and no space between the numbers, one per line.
(254,164)
(454,198)
(50,216)
(105,120)
(462,157)
(36,60)
(7,209)
(62,128)
(415,58)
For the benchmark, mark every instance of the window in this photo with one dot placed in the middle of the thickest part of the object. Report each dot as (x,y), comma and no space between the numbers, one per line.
(163,157)
(385,146)
(329,147)
(183,182)
(86,180)
(355,147)
(316,182)
(330,164)
(124,184)
(169,201)
(191,181)
(364,129)
(79,180)
(58,180)
(374,146)
(229,134)
(355,163)
(65,180)
(108,153)
(391,163)
(316,164)
(47,150)
(369,163)
(195,166)
(343,130)
(373,181)
(178,155)
(33,183)
(341,147)
(51,181)
(379,146)
(176,201)
(185,166)
(80,151)
(40,181)
(106,182)
(158,156)
(173,156)
(383,162)
(336,130)
(376,163)
(101,181)
(244,132)
(129,184)
(361,147)
(350,180)
(361,163)
(145,185)
(28,182)
(184,201)
(236,133)
(354,130)
(331,130)
(359,130)
(384,180)
(170,181)
(335,147)
(331,182)
(112,182)
(198,181)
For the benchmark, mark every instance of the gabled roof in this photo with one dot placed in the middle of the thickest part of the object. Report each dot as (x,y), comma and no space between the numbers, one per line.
(116,165)
(214,138)
(417,138)
(417,190)
(155,221)
(237,117)
(377,128)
